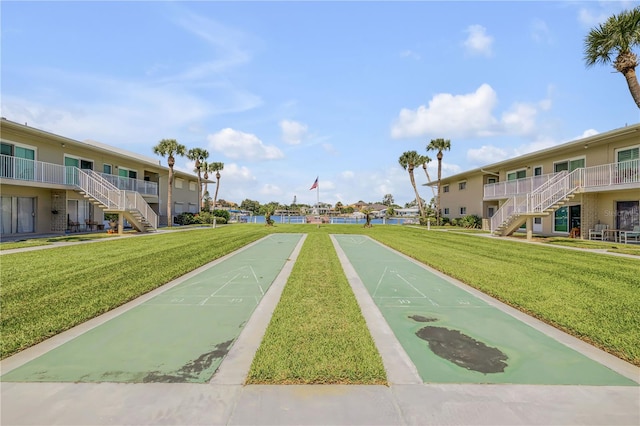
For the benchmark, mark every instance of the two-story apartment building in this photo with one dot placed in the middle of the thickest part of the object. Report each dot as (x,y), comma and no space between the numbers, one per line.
(571,186)
(53,184)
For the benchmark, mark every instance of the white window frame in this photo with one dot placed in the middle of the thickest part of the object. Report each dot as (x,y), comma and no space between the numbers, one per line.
(446,210)
(445,188)
(107,164)
(178,183)
(463,210)
(193,186)
(22,145)
(541,170)
(462,185)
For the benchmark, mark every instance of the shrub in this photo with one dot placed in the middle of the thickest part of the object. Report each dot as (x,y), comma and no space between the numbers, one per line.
(470,221)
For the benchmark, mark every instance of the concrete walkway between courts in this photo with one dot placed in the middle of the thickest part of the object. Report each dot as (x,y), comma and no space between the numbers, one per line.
(410,399)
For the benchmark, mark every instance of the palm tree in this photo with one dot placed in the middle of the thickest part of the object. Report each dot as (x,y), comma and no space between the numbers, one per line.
(426,172)
(408,160)
(216,167)
(612,42)
(439,145)
(169,148)
(200,156)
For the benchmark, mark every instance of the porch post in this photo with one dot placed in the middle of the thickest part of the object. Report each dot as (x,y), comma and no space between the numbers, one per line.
(120,223)
(530,228)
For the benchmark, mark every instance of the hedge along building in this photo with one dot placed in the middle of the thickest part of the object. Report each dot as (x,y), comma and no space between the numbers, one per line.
(53,184)
(571,186)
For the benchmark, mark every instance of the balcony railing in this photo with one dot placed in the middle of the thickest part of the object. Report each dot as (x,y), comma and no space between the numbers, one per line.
(38,171)
(127,184)
(606,175)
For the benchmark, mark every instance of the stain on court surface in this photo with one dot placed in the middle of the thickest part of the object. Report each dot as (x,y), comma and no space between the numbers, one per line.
(463,350)
(420,318)
(192,369)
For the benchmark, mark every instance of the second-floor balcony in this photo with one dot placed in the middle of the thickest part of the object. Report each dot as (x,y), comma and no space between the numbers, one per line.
(55,174)
(596,178)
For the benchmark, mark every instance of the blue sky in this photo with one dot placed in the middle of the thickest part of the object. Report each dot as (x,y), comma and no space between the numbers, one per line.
(282,92)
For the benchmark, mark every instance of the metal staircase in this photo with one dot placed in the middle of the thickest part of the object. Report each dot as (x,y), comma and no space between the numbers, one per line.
(109,198)
(542,201)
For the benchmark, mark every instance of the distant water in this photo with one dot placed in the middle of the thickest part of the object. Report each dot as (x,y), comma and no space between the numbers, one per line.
(333,220)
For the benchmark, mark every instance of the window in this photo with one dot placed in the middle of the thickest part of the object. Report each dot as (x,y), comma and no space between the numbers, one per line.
(463,210)
(517,174)
(128,173)
(106,169)
(86,165)
(446,210)
(462,185)
(178,183)
(192,186)
(537,220)
(492,180)
(624,154)
(491,211)
(445,188)
(568,165)
(537,171)
(22,165)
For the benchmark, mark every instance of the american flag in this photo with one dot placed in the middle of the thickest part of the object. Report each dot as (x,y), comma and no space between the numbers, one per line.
(315,185)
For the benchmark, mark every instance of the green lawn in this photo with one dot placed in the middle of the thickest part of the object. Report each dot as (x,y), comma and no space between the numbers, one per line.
(592,296)
(317,333)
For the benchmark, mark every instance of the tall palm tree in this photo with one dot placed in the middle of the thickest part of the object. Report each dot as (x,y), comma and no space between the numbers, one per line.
(612,42)
(169,148)
(408,160)
(426,172)
(200,156)
(216,167)
(439,145)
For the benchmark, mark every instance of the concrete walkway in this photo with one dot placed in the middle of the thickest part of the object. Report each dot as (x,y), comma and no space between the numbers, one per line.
(406,401)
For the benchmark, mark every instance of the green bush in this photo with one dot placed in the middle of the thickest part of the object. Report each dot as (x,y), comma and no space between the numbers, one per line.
(470,221)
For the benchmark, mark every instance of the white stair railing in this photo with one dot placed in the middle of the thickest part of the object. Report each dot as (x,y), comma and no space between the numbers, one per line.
(542,198)
(98,190)
(112,198)
(133,201)
(514,206)
(548,195)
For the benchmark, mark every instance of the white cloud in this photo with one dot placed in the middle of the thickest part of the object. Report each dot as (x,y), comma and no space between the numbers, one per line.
(520,119)
(293,132)
(486,154)
(245,146)
(478,42)
(451,115)
(270,190)
(587,133)
(235,173)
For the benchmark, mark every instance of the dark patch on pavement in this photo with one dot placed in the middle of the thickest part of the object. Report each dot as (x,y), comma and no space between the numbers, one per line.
(462,350)
(192,369)
(420,318)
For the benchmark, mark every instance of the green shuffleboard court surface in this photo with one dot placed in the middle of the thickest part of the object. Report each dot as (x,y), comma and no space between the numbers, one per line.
(180,335)
(454,337)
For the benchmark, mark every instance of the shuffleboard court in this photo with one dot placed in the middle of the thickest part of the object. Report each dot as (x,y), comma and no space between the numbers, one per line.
(452,336)
(180,335)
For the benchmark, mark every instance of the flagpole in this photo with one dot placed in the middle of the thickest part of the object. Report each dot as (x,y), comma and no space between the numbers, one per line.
(318,197)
